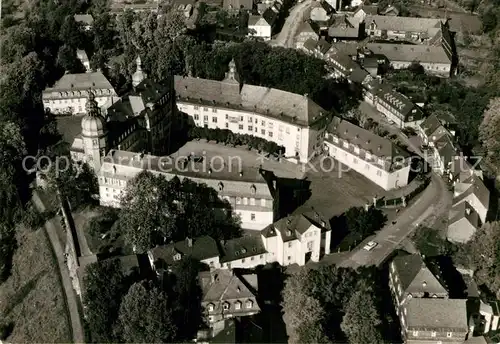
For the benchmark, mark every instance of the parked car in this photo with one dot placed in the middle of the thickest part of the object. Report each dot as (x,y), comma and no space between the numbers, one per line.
(370,246)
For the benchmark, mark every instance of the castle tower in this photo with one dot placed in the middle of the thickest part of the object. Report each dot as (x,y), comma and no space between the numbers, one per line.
(232,74)
(94,134)
(139,75)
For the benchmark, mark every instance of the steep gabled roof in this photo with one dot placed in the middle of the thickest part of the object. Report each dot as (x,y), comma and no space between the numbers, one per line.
(222,285)
(200,248)
(415,276)
(437,314)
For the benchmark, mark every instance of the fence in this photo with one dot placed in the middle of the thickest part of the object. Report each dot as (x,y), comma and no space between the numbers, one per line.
(403,200)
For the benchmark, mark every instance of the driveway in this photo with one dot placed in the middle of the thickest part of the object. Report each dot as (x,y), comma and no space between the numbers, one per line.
(286,37)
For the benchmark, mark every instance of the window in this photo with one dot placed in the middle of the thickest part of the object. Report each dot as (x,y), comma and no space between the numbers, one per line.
(210,307)
(205,109)
(310,245)
(177,257)
(249,304)
(433,334)
(227,125)
(214,119)
(263,131)
(243,260)
(252,201)
(227,116)
(415,333)
(355,160)
(240,126)
(261,256)
(280,128)
(226,306)
(205,118)
(250,128)
(289,258)
(263,123)
(346,144)
(241,118)
(270,134)
(249,119)
(367,166)
(448,334)
(252,258)
(245,200)
(214,110)
(196,107)
(252,216)
(238,200)
(290,244)
(237,305)
(379,173)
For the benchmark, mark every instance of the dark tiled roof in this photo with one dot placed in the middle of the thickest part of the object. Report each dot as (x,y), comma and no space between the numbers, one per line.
(240,248)
(365,140)
(396,100)
(461,211)
(368,9)
(327,7)
(344,27)
(310,44)
(430,125)
(411,52)
(286,106)
(477,188)
(293,225)
(323,46)
(358,75)
(409,24)
(201,248)
(415,276)
(81,82)
(270,16)
(446,149)
(437,314)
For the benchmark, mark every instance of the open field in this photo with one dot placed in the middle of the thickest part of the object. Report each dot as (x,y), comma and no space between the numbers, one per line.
(32,297)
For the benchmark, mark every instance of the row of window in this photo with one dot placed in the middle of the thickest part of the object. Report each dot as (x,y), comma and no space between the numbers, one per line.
(241,119)
(243,260)
(434,334)
(355,161)
(226,305)
(251,201)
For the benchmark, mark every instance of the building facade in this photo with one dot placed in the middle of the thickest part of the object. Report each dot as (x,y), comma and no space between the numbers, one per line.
(70,93)
(376,158)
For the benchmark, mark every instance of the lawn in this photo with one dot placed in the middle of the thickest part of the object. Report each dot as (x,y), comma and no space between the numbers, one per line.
(32,298)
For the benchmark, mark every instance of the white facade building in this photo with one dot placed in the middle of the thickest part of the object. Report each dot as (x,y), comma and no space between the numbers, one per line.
(248,191)
(290,120)
(69,94)
(376,158)
(262,26)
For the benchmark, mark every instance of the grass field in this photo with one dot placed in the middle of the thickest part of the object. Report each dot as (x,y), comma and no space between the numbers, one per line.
(32,297)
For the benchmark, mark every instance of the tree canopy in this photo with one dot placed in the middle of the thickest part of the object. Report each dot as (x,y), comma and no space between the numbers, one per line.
(361,319)
(365,222)
(489,133)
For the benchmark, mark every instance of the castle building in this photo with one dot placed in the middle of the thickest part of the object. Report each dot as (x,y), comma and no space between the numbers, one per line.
(291,120)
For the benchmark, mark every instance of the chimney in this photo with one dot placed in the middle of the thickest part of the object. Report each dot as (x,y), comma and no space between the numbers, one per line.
(213,277)
(241,173)
(189,242)
(467,211)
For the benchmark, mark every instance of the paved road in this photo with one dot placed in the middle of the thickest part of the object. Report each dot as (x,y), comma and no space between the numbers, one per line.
(423,211)
(71,298)
(286,37)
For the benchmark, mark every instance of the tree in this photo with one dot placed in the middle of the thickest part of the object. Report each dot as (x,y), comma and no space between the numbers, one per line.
(67,59)
(489,19)
(484,254)
(145,315)
(361,319)
(365,222)
(302,313)
(147,211)
(489,134)
(7,247)
(103,288)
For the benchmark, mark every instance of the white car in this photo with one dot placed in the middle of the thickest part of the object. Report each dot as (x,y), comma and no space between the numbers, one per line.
(370,246)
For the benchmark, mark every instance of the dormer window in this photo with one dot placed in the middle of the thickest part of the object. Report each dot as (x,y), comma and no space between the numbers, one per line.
(237,305)
(177,257)
(211,307)
(221,186)
(249,304)
(226,306)
(253,189)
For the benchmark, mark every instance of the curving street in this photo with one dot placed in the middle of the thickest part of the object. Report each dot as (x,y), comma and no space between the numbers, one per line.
(292,23)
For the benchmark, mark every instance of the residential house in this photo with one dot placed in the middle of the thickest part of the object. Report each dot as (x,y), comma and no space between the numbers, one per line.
(390,11)
(316,48)
(322,12)
(262,26)
(373,63)
(394,105)
(203,249)
(344,28)
(463,223)
(434,59)
(245,252)
(236,5)
(411,278)
(477,340)
(69,94)
(297,239)
(306,30)
(474,192)
(490,313)
(431,130)
(405,28)
(228,294)
(375,157)
(86,20)
(291,120)
(364,10)
(84,59)
(431,320)
(343,64)
(461,170)
(444,152)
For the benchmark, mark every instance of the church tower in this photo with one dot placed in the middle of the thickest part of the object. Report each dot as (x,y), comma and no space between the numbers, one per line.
(94,134)
(139,75)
